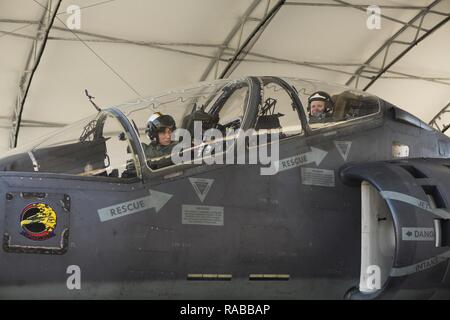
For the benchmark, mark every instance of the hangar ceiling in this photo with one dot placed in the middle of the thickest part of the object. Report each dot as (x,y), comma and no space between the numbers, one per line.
(125,49)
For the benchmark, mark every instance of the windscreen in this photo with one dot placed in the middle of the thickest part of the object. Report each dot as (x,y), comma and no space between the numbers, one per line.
(94,146)
(328,105)
(219,104)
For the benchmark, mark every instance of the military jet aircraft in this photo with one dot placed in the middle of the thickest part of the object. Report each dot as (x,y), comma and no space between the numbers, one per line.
(357,208)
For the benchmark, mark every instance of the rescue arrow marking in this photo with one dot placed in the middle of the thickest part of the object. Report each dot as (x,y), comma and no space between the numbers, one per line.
(315,155)
(155,200)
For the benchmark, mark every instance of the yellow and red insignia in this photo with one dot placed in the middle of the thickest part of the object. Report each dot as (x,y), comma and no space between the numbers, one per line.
(38,221)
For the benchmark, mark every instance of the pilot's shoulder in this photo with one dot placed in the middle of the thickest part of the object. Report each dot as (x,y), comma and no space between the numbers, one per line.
(146,146)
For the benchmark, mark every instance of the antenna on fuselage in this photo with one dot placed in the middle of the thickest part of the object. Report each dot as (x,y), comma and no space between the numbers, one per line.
(91,100)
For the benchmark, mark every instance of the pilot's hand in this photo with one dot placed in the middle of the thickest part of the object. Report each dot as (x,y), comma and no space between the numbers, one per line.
(130,170)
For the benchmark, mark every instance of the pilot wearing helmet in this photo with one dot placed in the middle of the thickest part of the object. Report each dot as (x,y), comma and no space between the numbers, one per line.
(320,107)
(159,130)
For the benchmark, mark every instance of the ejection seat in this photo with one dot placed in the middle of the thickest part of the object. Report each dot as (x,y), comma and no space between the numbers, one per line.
(349,105)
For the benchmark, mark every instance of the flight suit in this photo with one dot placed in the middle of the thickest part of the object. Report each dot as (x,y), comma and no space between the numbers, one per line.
(155,150)
(152,152)
(321,118)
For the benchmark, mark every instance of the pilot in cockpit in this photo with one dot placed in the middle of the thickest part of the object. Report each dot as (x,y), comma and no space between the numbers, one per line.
(159,130)
(320,107)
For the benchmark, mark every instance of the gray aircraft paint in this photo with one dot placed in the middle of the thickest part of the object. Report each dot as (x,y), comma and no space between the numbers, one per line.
(312,234)
(421,266)
(331,133)
(415,202)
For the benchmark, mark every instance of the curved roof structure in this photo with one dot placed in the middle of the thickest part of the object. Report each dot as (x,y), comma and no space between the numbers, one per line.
(120,50)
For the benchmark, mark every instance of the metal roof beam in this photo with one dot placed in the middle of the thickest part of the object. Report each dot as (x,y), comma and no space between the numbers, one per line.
(405,51)
(326,66)
(34,57)
(252,38)
(438,118)
(342,5)
(160,46)
(361,6)
(238,26)
(33,123)
(384,48)
(105,38)
(383,15)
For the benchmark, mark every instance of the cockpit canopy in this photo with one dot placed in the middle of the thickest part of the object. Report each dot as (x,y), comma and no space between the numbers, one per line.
(112,142)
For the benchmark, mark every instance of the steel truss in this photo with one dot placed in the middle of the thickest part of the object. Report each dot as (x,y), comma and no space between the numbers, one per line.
(34,57)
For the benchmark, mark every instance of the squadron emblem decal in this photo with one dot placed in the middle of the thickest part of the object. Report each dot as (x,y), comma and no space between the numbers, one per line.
(38,221)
